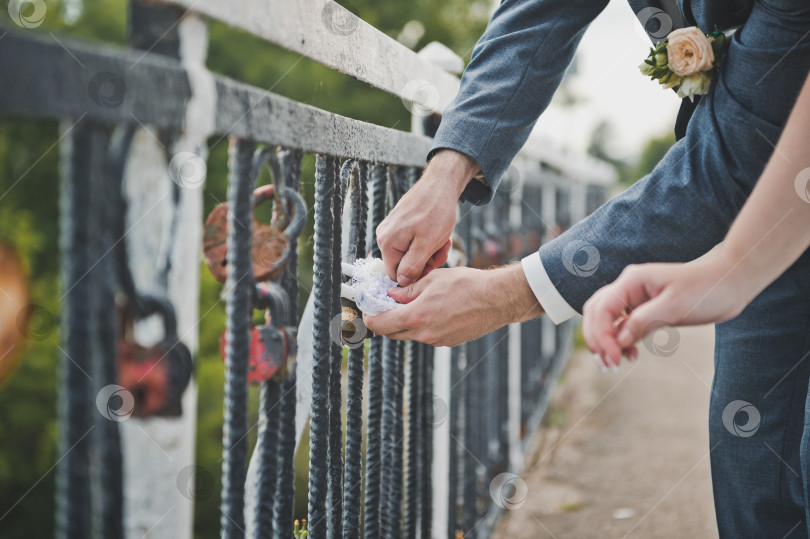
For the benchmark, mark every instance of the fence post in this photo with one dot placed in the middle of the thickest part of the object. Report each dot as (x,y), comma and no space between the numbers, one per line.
(164,232)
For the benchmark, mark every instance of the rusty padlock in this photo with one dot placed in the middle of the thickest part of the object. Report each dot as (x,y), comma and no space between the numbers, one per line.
(156,376)
(269,245)
(273,345)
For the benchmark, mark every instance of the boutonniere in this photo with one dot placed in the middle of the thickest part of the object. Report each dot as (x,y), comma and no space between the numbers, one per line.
(686,61)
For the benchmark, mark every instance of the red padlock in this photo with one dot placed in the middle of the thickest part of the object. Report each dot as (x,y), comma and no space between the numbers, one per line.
(156,376)
(269,349)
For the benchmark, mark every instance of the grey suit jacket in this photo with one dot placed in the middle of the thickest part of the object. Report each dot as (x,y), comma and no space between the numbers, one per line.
(685,206)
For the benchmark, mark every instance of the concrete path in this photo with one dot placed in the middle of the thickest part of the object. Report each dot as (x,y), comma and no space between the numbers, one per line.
(626,453)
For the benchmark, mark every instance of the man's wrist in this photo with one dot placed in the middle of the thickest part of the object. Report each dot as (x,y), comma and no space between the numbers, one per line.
(513,296)
(452,167)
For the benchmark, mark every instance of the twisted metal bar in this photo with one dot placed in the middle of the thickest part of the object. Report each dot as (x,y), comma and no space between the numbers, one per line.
(393,380)
(81,158)
(335,455)
(454,463)
(322,347)
(353,472)
(429,422)
(266,478)
(111,208)
(285,477)
(269,399)
(415,429)
(238,308)
(372,521)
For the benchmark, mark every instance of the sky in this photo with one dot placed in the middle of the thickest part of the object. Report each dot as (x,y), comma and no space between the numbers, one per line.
(612,89)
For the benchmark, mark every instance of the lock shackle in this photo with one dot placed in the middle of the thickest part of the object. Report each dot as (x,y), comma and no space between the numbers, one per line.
(145,305)
(298,211)
(271,296)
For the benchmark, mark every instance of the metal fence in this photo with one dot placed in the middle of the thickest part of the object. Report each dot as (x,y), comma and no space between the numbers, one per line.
(433,436)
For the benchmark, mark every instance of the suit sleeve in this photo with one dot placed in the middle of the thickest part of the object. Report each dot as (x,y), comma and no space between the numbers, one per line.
(514,71)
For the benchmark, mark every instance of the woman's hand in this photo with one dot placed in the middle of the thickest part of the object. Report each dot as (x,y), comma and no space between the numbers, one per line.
(649,296)
(452,306)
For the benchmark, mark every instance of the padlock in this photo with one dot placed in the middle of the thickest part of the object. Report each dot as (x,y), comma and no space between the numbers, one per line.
(156,376)
(269,245)
(273,345)
(270,351)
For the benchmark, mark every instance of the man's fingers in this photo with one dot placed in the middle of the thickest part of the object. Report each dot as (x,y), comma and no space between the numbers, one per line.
(413,263)
(406,294)
(391,257)
(387,323)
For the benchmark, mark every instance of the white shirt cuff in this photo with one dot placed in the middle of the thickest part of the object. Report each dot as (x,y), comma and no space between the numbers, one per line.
(550,299)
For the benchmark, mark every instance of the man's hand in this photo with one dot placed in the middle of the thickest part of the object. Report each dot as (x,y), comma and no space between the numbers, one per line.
(415,237)
(452,306)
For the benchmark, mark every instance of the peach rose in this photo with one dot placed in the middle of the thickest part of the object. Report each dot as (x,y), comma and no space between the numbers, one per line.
(689,51)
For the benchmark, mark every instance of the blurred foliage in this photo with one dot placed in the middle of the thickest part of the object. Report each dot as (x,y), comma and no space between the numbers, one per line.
(29,213)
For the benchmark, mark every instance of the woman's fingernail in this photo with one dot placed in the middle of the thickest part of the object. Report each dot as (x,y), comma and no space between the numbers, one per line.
(614,368)
(625,338)
(602,367)
(403,281)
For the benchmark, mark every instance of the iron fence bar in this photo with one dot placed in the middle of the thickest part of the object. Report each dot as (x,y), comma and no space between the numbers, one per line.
(269,399)
(415,431)
(290,161)
(335,455)
(108,467)
(325,182)
(81,156)
(353,473)
(373,497)
(428,423)
(239,306)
